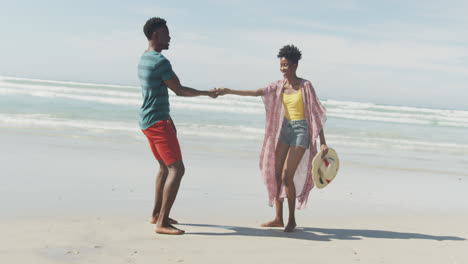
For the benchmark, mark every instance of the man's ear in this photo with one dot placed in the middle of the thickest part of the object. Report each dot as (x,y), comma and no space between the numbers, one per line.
(154,35)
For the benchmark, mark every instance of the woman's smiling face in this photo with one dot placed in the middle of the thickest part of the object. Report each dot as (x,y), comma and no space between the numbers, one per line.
(287,68)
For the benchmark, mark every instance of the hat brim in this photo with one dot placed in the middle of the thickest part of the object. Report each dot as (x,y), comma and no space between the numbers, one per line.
(319,180)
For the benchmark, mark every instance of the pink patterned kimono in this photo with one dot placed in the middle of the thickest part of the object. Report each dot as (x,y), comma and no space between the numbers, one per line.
(315,116)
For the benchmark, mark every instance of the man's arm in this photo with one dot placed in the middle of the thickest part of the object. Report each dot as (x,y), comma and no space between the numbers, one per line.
(174,84)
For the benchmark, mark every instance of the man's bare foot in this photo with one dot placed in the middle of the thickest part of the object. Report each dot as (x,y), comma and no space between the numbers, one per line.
(168,230)
(154,219)
(273,223)
(290,227)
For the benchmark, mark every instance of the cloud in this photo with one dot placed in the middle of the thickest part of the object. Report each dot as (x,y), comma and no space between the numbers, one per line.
(152,10)
(336,50)
(348,5)
(429,32)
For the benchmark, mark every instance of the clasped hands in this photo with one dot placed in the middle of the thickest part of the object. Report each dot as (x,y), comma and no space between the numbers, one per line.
(215,92)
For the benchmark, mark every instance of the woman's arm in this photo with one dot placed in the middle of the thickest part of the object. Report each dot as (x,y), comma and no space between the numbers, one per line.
(323,144)
(223,91)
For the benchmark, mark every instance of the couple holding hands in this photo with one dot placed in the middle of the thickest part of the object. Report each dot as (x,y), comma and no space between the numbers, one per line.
(294,120)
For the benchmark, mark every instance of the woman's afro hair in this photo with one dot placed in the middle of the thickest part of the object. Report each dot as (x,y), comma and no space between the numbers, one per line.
(291,53)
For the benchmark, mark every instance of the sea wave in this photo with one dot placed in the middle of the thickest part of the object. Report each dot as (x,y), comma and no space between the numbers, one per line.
(396,111)
(48,121)
(8,79)
(131,96)
(217,131)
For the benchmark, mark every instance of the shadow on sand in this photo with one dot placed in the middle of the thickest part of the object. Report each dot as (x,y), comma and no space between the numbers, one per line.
(317,234)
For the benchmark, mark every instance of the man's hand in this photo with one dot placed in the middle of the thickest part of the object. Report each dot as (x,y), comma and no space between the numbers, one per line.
(213,93)
(324,149)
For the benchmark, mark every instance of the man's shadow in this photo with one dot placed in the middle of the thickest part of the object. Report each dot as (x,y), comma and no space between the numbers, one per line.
(317,234)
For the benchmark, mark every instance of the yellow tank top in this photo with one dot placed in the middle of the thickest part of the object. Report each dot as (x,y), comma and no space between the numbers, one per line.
(293,106)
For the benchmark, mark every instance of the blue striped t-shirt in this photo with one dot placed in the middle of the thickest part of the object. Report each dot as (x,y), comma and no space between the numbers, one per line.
(153,70)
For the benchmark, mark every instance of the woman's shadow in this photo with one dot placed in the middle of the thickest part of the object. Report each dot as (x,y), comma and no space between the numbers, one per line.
(317,234)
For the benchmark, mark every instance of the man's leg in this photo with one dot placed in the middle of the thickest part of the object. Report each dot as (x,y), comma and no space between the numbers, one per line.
(160,181)
(169,194)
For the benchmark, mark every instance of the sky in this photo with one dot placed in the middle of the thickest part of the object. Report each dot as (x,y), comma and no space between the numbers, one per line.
(412,53)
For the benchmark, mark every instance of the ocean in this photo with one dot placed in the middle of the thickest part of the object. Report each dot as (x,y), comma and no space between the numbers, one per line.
(364,134)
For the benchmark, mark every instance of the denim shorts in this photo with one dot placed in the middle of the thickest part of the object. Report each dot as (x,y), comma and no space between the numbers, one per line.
(295,133)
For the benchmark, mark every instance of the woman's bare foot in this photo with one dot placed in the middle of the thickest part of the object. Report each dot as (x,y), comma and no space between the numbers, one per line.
(290,227)
(168,230)
(273,223)
(154,219)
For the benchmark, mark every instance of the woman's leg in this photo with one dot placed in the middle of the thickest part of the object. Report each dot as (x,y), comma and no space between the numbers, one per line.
(281,153)
(293,158)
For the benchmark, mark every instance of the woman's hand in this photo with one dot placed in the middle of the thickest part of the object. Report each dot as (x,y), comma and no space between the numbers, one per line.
(324,150)
(222,90)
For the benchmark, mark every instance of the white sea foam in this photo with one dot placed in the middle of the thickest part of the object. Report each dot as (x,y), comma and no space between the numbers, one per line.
(89,98)
(232,132)
(332,104)
(63,89)
(380,118)
(396,114)
(395,143)
(47,121)
(221,131)
(254,102)
(41,81)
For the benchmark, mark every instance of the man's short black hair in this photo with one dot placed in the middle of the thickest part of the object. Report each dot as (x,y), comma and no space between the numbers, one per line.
(152,25)
(291,53)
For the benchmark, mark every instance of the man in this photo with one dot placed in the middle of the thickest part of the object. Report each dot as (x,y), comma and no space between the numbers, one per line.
(156,75)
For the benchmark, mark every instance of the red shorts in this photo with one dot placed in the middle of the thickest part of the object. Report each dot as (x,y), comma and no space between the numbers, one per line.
(163,141)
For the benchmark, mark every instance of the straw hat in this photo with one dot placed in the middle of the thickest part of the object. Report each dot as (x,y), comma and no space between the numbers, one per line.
(325,170)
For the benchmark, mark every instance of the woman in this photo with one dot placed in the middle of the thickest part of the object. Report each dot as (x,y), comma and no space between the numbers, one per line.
(294,120)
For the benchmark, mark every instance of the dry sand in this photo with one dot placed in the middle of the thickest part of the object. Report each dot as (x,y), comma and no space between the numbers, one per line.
(78,201)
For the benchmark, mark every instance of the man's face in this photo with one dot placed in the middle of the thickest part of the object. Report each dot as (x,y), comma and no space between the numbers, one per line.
(162,37)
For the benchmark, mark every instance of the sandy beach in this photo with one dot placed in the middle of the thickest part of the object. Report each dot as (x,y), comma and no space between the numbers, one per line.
(87,200)
(80,79)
